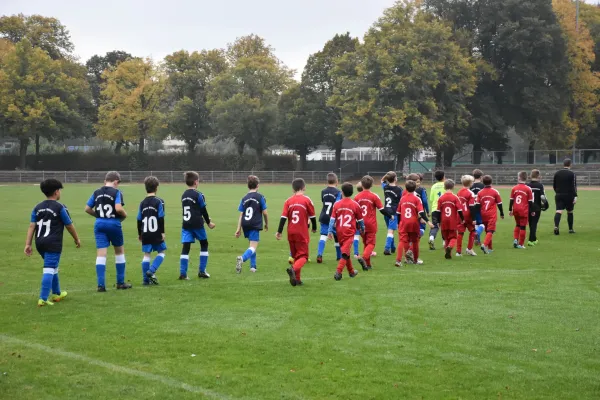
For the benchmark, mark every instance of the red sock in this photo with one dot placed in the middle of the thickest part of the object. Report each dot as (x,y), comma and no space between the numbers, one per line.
(341,265)
(459,242)
(488,239)
(349,266)
(471,240)
(298,266)
(516,233)
(522,236)
(367,254)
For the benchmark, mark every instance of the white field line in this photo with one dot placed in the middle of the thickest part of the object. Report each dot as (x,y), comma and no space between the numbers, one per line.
(91,287)
(113,367)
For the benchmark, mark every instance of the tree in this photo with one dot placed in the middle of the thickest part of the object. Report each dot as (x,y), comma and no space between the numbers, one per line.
(45,33)
(318,77)
(406,84)
(96,66)
(301,121)
(132,100)
(189,79)
(39,95)
(243,100)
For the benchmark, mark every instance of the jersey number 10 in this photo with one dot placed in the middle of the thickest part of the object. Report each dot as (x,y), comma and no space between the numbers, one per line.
(150,224)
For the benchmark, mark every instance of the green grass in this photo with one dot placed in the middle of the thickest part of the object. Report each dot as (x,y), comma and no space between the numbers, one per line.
(512,325)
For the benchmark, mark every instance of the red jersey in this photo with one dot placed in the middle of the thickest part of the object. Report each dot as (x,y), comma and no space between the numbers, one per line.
(298,209)
(520,196)
(489,198)
(408,211)
(448,206)
(346,213)
(467,199)
(369,203)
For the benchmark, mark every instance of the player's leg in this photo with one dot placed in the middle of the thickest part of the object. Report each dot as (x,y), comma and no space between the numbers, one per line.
(184,258)
(102,243)
(432,235)
(338,249)
(57,294)
(356,243)
(471,242)
(534,218)
(414,239)
(387,250)
(120,266)
(459,239)
(343,262)
(254,246)
(47,278)
(160,248)
(516,231)
(147,250)
(322,242)
(560,208)
(203,239)
(570,216)
(290,269)
(370,242)
(253,239)
(300,259)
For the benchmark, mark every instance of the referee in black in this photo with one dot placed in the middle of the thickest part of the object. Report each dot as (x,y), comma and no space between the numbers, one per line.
(565,188)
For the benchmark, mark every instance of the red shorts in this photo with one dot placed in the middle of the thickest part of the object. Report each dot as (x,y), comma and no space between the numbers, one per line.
(449,234)
(467,226)
(299,249)
(521,220)
(346,245)
(409,237)
(369,238)
(490,224)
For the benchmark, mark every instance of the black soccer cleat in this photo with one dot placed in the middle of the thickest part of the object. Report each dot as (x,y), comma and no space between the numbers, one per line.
(203,275)
(183,278)
(337,276)
(387,252)
(353,274)
(151,278)
(124,286)
(101,289)
(571,231)
(319,259)
(292,275)
(448,254)
(556,231)
(362,263)
(299,283)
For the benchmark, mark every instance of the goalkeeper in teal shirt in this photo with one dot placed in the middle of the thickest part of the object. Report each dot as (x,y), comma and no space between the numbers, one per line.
(437,190)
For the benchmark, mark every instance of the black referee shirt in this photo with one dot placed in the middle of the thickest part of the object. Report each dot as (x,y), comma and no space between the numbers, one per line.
(565,182)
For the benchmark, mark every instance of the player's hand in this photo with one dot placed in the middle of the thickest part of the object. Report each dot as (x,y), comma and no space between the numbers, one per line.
(77,243)
(330,236)
(430,224)
(238,233)
(163,237)
(266,228)
(314,231)
(502,216)
(278,236)
(28,251)
(510,213)
(140,238)
(211,225)
(575,200)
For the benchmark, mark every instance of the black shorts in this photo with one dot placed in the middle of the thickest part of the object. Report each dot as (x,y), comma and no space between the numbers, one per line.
(564,202)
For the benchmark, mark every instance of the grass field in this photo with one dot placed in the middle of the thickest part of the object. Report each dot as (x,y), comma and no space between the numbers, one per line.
(517,324)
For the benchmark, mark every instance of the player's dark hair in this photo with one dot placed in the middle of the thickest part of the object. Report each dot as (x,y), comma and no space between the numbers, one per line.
(567,162)
(487,180)
(522,176)
(391,177)
(50,186)
(449,184)
(535,174)
(410,186)
(191,177)
(421,176)
(151,183)
(112,176)
(439,175)
(253,182)
(366,182)
(413,177)
(477,173)
(347,189)
(298,184)
(332,178)
(359,187)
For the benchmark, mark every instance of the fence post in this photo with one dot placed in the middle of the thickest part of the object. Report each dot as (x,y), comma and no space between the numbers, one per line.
(514,157)
(556,157)
(212,176)
(313,177)
(172,177)
(493,157)
(589,179)
(43,175)
(272,176)
(130,177)
(87,176)
(20,177)
(231,176)
(534,156)
(65,176)
(293,175)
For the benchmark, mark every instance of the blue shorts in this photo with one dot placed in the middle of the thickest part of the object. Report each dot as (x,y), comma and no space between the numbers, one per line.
(325,229)
(191,235)
(392,224)
(252,235)
(158,247)
(51,260)
(107,234)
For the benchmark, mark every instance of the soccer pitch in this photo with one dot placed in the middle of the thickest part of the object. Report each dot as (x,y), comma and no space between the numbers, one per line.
(516,324)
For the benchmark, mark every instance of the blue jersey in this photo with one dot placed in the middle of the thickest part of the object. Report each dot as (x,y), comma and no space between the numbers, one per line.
(252,206)
(329,196)
(50,218)
(151,220)
(422,194)
(104,201)
(193,204)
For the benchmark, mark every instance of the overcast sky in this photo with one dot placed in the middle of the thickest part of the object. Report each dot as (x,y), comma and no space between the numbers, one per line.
(295,28)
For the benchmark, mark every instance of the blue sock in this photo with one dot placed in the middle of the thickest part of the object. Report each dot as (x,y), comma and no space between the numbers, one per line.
(253,260)
(55,284)
(46,283)
(338,251)
(355,244)
(184,260)
(389,242)
(160,257)
(248,254)
(321,248)
(120,263)
(203,260)
(101,271)
(145,268)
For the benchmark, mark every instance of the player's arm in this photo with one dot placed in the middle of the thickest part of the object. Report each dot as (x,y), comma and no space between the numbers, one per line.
(119,206)
(29,239)
(425,202)
(511,203)
(68,223)
(139,222)
(238,231)
(313,222)
(385,213)
(161,220)
(263,205)
(331,226)
(461,215)
(312,216)
(575,187)
(282,221)
(501,209)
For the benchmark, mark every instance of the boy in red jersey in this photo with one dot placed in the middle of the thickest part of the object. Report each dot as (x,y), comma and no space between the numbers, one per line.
(449,209)
(345,217)
(521,197)
(369,203)
(297,210)
(489,198)
(410,212)
(467,200)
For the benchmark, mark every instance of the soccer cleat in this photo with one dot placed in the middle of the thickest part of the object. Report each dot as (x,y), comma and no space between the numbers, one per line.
(299,283)
(319,259)
(253,269)
(183,278)
(398,264)
(337,276)
(55,298)
(124,286)
(290,260)
(101,289)
(238,264)
(485,249)
(530,244)
(458,255)
(419,262)
(42,303)
(151,278)
(431,243)
(387,252)
(536,242)
(448,254)
(353,274)
(516,244)
(292,275)
(471,253)
(362,263)
(556,231)
(356,256)
(410,257)
(571,231)
(203,275)
(521,247)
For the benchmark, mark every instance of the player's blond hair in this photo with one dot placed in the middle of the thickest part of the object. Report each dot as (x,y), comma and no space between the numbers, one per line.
(467,180)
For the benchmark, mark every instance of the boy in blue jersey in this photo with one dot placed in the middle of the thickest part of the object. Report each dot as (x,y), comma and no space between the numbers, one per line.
(329,196)
(253,208)
(392,195)
(356,241)
(48,221)
(106,205)
(193,205)
(151,230)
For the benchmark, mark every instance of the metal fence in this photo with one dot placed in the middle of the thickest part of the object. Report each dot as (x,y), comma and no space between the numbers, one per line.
(579,156)
(167,176)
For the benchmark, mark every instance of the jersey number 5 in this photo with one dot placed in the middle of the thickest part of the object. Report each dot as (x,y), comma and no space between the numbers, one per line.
(295,217)
(187,214)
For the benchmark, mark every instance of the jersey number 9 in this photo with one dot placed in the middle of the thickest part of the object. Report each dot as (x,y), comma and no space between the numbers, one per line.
(249,213)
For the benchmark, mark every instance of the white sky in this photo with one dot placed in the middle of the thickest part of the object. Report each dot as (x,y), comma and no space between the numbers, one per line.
(295,28)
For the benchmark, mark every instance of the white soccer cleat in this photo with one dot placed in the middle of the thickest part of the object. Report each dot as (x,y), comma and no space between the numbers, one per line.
(252,269)
(471,253)
(238,264)
(458,255)
(419,262)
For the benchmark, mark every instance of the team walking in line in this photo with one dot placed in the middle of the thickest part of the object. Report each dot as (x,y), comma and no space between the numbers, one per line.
(345,219)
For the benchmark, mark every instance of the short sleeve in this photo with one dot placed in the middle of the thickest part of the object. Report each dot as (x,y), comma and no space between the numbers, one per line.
(139,216)
(285,211)
(311,209)
(420,206)
(201,200)
(241,206)
(120,198)
(161,210)
(339,196)
(378,202)
(263,203)
(92,200)
(498,198)
(65,217)
(33,218)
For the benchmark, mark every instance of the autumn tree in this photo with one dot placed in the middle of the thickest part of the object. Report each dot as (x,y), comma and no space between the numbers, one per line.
(132,100)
